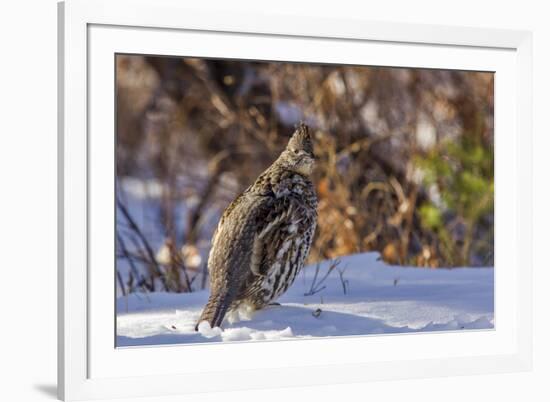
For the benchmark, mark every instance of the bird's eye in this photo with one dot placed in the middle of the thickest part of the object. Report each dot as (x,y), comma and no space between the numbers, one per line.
(295,151)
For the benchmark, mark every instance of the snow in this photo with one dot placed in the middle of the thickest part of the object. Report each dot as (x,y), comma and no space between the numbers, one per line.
(378,299)
(208,332)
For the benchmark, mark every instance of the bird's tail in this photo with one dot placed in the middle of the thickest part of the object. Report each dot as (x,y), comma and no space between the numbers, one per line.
(215,310)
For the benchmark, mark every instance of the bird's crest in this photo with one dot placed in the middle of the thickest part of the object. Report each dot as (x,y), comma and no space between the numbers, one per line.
(301,139)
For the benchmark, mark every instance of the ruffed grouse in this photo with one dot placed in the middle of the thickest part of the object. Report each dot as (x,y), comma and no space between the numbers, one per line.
(264,235)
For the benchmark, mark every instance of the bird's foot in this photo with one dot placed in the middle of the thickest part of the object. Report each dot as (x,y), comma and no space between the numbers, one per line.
(232,316)
(242,312)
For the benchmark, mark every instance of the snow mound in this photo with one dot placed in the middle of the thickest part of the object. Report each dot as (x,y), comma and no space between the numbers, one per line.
(361,296)
(205,330)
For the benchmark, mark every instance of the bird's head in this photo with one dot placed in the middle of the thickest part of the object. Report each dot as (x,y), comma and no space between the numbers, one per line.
(298,155)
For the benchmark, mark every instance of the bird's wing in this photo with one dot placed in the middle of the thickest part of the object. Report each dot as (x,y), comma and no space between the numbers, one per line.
(232,247)
(228,210)
(281,225)
(231,254)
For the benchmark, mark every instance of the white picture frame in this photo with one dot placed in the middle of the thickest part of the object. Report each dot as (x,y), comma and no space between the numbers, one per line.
(90,32)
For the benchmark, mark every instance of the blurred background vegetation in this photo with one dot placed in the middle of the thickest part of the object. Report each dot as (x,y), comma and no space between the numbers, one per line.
(405,160)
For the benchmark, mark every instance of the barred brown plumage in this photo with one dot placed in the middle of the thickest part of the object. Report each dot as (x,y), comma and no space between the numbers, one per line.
(264,235)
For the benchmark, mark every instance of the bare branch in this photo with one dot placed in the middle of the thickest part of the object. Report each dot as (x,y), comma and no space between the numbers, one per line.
(317,287)
(148,249)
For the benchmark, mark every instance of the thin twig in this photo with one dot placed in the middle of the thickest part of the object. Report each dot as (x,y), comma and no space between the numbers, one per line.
(345,282)
(121,283)
(317,287)
(144,241)
(126,254)
(204,275)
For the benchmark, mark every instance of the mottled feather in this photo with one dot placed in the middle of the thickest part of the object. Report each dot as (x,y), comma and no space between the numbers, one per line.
(264,235)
